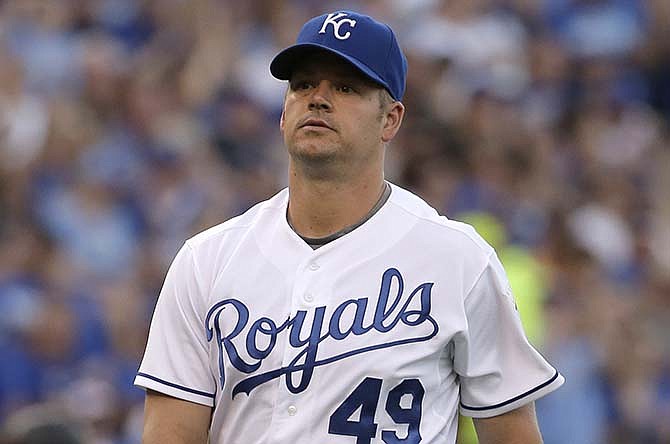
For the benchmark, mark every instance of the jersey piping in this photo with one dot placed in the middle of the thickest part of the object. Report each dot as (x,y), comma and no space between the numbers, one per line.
(516,398)
(177,386)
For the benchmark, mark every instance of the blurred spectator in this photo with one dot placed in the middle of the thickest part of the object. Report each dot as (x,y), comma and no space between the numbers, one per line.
(40,424)
(597,28)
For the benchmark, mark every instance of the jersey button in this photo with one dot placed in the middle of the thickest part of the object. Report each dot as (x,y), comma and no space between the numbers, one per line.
(314,266)
(292,410)
(309,297)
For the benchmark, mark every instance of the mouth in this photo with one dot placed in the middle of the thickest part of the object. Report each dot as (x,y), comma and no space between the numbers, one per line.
(313,123)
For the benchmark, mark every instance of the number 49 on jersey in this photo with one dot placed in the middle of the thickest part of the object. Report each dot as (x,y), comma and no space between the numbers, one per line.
(366,398)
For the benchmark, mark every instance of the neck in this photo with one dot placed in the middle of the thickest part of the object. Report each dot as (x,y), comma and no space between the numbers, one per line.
(320,207)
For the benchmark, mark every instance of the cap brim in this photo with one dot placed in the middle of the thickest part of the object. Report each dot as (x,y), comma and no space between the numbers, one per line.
(283,64)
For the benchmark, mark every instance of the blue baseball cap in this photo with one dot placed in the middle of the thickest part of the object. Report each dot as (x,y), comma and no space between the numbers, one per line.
(359,39)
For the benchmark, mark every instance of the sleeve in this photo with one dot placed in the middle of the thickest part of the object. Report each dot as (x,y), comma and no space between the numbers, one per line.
(498,369)
(176,359)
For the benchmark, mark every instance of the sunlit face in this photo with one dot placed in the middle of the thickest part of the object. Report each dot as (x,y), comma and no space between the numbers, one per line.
(332,114)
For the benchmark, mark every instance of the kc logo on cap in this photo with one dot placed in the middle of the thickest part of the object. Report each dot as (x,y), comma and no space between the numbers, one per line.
(370,46)
(332,19)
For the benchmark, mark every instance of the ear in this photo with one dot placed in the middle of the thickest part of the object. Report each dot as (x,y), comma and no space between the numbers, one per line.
(281,120)
(392,121)
(283,110)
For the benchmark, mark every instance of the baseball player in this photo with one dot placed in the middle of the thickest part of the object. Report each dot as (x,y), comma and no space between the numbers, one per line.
(344,309)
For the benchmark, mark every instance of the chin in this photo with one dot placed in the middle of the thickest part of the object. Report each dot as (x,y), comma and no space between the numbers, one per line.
(315,160)
(314,152)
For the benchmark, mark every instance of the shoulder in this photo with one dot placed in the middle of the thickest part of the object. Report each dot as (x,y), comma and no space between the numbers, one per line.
(438,228)
(233,229)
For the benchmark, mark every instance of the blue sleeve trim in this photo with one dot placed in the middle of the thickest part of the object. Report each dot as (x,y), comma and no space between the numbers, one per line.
(516,398)
(177,386)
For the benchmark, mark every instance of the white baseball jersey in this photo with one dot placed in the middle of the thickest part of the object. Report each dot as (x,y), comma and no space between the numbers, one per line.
(380,336)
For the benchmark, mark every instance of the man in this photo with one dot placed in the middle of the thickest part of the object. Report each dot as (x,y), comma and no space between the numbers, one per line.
(344,309)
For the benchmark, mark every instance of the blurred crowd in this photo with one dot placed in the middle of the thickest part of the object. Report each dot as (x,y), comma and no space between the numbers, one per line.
(127,126)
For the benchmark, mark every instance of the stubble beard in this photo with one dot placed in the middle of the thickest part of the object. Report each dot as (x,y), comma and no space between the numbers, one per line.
(319,160)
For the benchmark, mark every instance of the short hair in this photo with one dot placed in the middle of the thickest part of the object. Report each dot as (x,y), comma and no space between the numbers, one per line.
(385,98)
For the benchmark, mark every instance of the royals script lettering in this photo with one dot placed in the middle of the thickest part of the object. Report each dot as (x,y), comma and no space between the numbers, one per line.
(393,310)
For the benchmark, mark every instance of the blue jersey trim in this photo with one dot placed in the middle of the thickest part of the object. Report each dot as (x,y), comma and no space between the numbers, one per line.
(516,398)
(177,386)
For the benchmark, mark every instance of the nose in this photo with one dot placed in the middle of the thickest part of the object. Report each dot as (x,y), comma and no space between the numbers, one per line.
(321,97)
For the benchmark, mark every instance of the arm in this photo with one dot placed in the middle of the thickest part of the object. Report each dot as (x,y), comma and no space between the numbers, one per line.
(169,420)
(515,427)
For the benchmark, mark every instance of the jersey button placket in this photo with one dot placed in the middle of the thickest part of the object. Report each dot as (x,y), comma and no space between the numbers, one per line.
(308,297)
(302,299)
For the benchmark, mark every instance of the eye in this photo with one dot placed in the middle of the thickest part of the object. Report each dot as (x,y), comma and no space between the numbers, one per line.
(300,85)
(346,89)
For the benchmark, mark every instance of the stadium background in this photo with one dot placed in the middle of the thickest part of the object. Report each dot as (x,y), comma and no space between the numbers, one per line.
(126,126)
